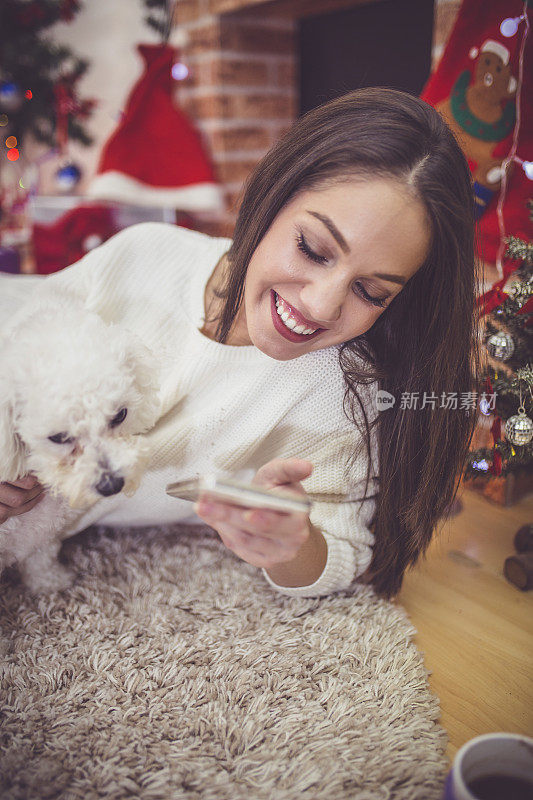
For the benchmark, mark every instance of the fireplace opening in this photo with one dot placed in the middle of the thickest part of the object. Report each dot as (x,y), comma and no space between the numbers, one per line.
(385,43)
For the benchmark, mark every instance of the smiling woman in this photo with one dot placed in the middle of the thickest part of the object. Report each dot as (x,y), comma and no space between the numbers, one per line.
(360,220)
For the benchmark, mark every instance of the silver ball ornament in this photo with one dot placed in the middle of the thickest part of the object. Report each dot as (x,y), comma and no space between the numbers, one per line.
(501,345)
(519,428)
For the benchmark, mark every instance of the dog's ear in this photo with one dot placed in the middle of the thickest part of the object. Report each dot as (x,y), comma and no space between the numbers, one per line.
(12,450)
(146,369)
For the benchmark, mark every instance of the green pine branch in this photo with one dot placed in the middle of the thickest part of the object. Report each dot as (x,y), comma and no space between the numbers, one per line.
(162,22)
(519,249)
(33,61)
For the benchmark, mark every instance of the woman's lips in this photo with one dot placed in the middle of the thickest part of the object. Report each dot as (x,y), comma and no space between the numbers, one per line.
(283,330)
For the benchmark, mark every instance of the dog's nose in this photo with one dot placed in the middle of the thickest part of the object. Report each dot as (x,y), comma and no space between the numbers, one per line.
(109,484)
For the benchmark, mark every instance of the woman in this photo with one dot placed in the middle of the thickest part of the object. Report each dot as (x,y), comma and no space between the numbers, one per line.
(351,269)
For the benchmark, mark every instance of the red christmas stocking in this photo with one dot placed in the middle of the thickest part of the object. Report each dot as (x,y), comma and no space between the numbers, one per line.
(484,93)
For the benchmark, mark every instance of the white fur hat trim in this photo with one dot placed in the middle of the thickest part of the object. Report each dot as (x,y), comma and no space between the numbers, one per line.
(497,48)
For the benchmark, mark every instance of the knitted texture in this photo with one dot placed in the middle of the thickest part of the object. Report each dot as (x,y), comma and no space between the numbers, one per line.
(225,408)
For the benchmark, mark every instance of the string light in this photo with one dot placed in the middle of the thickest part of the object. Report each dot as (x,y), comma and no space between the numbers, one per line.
(510,26)
(527,166)
(512,153)
(179,71)
(484,406)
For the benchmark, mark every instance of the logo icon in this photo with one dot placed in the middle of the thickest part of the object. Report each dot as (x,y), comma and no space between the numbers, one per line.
(384,400)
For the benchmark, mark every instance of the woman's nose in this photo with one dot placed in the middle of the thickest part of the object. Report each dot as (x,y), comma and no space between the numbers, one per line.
(324,302)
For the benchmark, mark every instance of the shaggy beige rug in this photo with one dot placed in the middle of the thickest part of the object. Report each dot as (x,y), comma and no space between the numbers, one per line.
(173,670)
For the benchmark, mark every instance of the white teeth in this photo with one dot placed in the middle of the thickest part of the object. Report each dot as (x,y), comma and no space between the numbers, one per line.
(289,321)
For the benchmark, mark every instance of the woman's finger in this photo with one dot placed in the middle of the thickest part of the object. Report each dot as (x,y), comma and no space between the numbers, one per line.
(27,482)
(282,472)
(14,511)
(267,523)
(14,496)
(255,550)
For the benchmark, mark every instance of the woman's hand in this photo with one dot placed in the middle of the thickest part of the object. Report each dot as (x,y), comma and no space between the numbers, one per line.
(17,497)
(261,537)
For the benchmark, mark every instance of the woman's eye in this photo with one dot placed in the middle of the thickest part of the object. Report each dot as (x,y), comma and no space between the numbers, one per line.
(118,418)
(380,302)
(306,250)
(304,247)
(61,438)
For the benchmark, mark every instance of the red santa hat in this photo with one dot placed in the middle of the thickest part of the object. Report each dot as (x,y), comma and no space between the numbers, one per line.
(155,157)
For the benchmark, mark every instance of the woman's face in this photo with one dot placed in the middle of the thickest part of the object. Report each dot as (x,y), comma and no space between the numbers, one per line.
(320,262)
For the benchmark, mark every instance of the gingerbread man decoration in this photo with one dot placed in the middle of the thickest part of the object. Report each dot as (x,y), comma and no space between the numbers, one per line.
(481,112)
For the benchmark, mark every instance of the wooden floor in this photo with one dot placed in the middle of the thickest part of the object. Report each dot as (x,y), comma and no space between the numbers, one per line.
(474,628)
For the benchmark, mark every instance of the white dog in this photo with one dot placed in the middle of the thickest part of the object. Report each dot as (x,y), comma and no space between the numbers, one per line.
(75,394)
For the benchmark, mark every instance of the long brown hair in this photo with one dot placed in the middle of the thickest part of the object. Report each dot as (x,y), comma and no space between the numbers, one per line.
(426,339)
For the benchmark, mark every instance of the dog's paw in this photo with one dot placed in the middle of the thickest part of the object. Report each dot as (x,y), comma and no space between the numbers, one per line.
(55,579)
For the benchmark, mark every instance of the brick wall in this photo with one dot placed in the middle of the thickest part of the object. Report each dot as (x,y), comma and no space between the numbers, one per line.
(241,91)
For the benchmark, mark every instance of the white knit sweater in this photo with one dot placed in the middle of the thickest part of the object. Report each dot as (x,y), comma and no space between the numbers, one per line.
(224,408)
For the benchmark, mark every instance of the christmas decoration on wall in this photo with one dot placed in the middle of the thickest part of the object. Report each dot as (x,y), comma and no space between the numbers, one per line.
(155,157)
(483,87)
(71,236)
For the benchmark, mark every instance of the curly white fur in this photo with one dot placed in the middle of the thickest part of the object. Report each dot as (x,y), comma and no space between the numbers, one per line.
(64,371)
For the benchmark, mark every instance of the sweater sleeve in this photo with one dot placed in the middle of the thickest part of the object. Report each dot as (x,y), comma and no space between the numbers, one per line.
(345,524)
(348,557)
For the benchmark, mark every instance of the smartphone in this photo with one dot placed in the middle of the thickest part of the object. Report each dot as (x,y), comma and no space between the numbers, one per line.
(240,494)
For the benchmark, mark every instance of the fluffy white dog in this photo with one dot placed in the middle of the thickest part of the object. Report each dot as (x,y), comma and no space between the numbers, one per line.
(75,394)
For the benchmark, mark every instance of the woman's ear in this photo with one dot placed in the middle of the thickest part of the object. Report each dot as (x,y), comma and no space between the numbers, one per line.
(12,450)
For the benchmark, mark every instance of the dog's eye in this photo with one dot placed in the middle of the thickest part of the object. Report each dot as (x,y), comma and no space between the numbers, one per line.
(120,417)
(61,438)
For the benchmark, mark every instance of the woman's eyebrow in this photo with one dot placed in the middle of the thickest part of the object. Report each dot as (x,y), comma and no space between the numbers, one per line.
(332,228)
(341,241)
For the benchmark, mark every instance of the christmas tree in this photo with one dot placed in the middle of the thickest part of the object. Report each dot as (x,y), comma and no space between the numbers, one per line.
(160,16)
(38,77)
(507,391)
